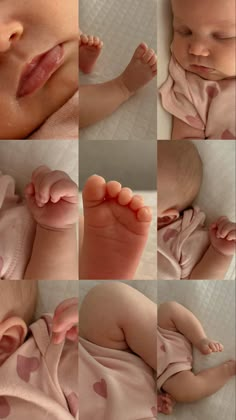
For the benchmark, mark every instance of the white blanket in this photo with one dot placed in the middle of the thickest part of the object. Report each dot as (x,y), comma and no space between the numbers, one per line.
(122,25)
(214,304)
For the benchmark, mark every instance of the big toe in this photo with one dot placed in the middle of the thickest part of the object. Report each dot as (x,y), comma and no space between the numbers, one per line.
(94,190)
(140,50)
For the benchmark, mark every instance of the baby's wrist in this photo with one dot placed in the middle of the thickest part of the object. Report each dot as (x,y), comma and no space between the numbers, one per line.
(62,229)
(220,253)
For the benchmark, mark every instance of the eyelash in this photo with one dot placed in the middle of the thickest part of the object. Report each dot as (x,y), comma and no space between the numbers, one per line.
(188,33)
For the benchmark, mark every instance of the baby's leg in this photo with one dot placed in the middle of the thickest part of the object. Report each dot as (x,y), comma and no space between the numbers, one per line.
(175,317)
(187,387)
(116,316)
(101,100)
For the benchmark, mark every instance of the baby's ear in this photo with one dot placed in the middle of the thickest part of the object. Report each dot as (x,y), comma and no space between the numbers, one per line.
(12,335)
(168,216)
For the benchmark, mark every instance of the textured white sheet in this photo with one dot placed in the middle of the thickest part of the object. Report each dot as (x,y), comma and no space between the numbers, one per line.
(122,25)
(217,195)
(147,269)
(164,35)
(214,304)
(20,158)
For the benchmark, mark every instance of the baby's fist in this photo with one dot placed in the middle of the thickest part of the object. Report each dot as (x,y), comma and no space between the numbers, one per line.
(52,198)
(223,236)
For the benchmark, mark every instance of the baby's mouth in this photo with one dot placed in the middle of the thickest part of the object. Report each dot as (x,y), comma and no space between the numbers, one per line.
(36,73)
(203,69)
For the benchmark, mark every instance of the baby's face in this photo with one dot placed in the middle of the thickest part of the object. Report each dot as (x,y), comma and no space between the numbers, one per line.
(204,37)
(38,62)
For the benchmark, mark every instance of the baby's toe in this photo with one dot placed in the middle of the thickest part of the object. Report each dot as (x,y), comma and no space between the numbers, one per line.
(147,56)
(144,214)
(140,50)
(113,189)
(136,203)
(90,40)
(84,39)
(94,190)
(125,196)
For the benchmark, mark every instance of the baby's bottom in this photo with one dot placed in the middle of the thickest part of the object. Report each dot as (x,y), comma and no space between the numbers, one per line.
(116,316)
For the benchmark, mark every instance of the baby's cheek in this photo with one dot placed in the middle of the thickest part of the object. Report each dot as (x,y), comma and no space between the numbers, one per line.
(225,56)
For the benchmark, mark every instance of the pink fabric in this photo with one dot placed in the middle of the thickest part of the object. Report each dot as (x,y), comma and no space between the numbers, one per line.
(174,354)
(114,385)
(17,231)
(40,378)
(63,124)
(203,104)
(181,245)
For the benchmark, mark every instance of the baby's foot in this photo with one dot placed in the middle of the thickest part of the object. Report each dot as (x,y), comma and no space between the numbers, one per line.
(116,226)
(207,346)
(141,69)
(165,403)
(89,50)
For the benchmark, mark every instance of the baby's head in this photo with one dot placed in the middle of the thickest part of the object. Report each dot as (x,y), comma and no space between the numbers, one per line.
(178,180)
(204,37)
(38,62)
(17,307)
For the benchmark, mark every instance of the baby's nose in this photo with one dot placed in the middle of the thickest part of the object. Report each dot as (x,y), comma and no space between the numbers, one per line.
(198,48)
(10,33)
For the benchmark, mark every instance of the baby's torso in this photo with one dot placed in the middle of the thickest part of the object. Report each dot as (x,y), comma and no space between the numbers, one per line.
(119,384)
(181,245)
(40,378)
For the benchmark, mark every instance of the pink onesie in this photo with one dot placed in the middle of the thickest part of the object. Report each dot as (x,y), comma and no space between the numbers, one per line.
(63,124)
(17,230)
(181,245)
(174,354)
(114,385)
(40,380)
(203,104)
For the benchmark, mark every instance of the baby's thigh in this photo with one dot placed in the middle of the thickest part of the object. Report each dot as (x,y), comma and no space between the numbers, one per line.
(100,314)
(182,386)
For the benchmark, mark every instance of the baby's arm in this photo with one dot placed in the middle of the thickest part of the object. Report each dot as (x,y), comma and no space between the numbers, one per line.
(183,131)
(114,315)
(217,258)
(52,198)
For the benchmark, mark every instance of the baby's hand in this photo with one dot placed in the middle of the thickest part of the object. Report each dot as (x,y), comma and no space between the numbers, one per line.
(52,198)
(223,236)
(65,321)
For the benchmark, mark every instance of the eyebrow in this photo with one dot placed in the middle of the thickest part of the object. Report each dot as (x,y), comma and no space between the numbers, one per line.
(229,25)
